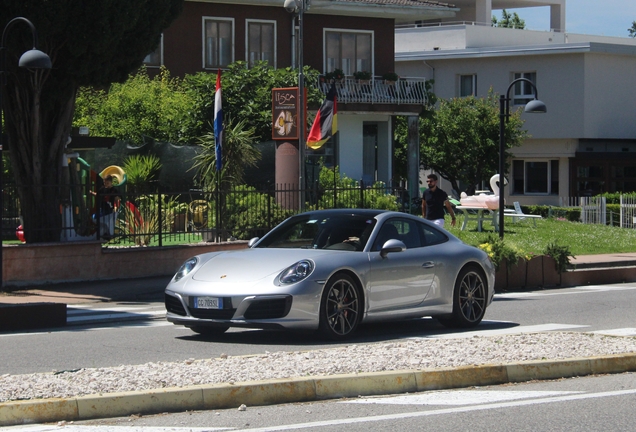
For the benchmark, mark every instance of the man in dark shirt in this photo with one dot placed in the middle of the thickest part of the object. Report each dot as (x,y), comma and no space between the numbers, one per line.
(433,201)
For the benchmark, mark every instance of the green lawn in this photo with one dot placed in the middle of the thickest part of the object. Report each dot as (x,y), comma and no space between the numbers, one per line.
(582,239)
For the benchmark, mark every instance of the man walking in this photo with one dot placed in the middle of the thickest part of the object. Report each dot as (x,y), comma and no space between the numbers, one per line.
(433,201)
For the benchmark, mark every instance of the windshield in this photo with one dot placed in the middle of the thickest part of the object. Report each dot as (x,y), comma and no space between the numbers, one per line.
(341,232)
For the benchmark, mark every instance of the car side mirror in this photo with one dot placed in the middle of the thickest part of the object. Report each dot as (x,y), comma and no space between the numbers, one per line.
(392,245)
(252,241)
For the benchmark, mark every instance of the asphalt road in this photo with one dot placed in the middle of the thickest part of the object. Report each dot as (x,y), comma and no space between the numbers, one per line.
(607,309)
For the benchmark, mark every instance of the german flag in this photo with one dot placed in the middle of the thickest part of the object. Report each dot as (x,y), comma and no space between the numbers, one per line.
(326,121)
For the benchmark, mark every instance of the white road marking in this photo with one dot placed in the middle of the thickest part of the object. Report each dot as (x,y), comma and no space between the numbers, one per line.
(458,397)
(99,316)
(68,427)
(505,331)
(565,291)
(630,331)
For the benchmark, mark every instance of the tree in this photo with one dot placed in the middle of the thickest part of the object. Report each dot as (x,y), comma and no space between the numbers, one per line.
(179,110)
(509,20)
(247,94)
(90,44)
(460,139)
(632,30)
(139,109)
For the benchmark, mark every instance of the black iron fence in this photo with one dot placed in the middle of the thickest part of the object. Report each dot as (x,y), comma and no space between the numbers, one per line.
(157,218)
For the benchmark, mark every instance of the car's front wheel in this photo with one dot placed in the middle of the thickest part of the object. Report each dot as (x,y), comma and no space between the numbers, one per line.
(469,298)
(340,307)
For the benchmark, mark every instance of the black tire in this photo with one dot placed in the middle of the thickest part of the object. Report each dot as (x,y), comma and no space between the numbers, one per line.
(210,331)
(469,299)
(340,307)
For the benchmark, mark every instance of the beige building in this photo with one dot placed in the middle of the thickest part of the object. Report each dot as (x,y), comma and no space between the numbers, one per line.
(586,143)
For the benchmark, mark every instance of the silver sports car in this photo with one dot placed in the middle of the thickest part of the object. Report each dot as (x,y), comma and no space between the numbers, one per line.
(331,270)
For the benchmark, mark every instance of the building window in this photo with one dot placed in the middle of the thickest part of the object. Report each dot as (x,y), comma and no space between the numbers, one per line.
(218,42)
(261,42)
(467,85)
(535,177)
(349,51)
(155,58)
(523,91)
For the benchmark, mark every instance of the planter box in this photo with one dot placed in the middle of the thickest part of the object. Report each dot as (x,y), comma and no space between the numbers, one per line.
(539,272)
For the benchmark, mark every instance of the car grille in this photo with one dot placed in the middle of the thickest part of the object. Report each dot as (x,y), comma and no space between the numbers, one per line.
(174,305)
(221,314)
(269,308)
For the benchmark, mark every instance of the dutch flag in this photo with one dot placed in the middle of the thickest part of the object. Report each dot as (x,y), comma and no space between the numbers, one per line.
(218,123)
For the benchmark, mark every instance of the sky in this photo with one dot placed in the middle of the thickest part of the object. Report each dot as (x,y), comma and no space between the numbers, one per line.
(593,17)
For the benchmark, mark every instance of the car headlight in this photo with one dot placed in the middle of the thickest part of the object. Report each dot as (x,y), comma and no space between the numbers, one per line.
(296,272)
(186,268)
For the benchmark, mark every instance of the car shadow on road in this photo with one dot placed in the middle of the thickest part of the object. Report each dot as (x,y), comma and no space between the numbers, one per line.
(367,333)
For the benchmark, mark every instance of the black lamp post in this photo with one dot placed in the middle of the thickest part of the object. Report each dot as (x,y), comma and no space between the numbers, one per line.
(299,7)
(534,106)
(31,59)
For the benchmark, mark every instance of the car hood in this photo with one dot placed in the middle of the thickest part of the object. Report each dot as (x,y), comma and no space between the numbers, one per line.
(250,265)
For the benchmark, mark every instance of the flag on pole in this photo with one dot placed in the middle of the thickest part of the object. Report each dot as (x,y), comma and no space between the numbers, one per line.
(326,121)
(218,123)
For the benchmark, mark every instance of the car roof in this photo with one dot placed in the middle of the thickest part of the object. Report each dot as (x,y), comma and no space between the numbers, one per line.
(341,212)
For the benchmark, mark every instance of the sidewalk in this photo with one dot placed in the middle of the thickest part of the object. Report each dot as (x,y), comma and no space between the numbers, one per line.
(89,291)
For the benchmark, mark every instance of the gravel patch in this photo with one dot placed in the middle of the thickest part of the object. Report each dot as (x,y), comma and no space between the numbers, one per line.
(377,357)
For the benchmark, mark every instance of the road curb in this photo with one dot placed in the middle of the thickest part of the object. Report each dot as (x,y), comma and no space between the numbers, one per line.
(221,396)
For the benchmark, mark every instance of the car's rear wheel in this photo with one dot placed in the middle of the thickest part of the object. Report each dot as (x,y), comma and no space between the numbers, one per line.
(340,307)
(469,298)
(209,331)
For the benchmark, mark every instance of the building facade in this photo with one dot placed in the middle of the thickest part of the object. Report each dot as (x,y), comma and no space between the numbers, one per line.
(350,35)
(586,143)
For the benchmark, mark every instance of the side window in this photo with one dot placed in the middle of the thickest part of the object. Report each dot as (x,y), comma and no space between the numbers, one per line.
(399,229)
(430,236)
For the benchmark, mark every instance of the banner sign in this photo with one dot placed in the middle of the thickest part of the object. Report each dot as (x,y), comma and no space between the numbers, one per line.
(285,109)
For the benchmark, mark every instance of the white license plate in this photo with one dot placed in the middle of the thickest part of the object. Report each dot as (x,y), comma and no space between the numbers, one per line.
(208,303)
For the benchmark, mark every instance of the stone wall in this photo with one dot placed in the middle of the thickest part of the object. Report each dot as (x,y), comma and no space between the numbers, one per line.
(24,265)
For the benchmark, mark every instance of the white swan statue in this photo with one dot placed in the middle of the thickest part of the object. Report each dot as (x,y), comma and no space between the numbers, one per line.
(490,202)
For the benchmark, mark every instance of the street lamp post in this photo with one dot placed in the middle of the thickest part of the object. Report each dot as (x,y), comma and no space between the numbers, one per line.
(299,7)
(534,106)
(31,59)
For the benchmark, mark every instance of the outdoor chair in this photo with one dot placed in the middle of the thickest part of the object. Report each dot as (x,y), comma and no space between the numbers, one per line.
(519,215)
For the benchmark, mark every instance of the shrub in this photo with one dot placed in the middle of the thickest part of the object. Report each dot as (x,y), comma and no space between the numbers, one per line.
(344,192)
(245,213)
(561,255)
(498,251)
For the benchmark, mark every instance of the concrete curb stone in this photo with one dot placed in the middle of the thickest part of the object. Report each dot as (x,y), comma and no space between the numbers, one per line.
(221,396)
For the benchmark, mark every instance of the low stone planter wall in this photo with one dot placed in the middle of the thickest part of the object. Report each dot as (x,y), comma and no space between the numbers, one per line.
(540,271)
(24,265)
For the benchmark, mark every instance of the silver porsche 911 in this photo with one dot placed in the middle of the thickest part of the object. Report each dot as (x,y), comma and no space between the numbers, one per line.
(331,270)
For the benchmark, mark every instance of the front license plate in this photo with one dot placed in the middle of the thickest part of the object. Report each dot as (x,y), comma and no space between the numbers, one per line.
(208,303)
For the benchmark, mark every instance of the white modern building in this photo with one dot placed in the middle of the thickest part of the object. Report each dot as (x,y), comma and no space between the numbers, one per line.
(586,143)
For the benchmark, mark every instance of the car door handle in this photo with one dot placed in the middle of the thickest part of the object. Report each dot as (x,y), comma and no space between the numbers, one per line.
(428,264)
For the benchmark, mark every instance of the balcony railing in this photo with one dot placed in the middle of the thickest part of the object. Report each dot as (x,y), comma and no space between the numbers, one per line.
(410,91)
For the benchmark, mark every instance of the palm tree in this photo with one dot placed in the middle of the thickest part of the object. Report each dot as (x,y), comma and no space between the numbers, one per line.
(237,154)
